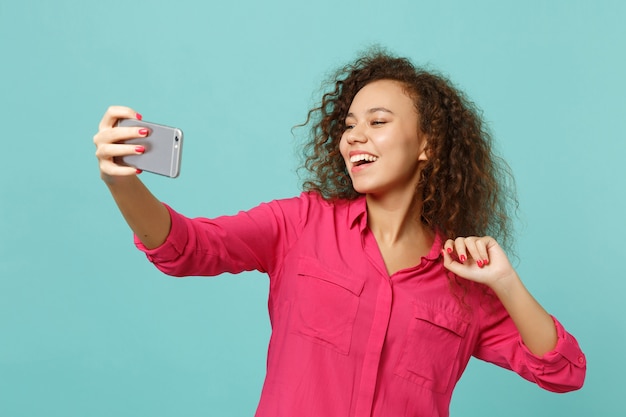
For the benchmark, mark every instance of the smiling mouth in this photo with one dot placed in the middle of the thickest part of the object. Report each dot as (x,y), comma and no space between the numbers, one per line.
(362,159)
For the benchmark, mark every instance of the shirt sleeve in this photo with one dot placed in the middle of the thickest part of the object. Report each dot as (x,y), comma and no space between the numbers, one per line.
(249,240)
(561,370)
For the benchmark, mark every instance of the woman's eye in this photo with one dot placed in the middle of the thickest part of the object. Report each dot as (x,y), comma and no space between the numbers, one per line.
(349,127)
(378,122)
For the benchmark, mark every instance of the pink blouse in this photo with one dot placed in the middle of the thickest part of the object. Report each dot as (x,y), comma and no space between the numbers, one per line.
(347,338)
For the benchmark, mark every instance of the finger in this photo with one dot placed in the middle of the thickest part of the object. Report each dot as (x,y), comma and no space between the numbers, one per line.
(472,246)
(108,167)
(111,150)
(453,265)
(119,134)
(114,113)
(482,253)
(460,248)
(446,252)
(448,246)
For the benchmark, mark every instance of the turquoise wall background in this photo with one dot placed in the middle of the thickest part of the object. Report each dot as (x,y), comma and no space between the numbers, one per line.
(89,328)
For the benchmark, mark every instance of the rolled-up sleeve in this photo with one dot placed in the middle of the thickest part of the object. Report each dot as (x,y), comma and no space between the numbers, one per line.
(561,370)
(173,248)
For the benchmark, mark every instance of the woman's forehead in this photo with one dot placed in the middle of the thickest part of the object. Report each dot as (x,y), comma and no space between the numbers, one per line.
(388,95)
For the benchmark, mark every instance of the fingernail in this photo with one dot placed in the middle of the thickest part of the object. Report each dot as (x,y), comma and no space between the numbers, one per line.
(462,258)
(449,250)
(479,263)
(140,149)
(486,261)
(138,171)
(138,116)
(143,131)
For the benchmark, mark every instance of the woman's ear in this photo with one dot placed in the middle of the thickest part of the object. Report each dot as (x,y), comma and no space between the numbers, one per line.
(423,156)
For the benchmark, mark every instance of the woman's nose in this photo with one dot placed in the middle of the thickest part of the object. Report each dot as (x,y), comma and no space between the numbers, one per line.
(356,134)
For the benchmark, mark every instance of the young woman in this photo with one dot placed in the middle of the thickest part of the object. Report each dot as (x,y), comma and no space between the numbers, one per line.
(384,277)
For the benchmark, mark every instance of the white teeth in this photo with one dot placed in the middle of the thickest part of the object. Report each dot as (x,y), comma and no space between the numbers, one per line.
(363,157)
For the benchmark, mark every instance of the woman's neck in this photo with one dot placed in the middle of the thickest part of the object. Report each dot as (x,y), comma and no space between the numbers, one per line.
(393,219)
(402,238)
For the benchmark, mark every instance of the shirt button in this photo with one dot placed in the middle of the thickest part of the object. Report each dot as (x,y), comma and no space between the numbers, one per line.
(581,359)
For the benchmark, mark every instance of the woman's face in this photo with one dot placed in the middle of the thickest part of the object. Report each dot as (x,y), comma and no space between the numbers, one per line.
(381,145)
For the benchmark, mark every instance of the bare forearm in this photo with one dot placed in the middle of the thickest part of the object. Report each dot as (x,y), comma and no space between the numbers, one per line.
(535,325)
(145,214)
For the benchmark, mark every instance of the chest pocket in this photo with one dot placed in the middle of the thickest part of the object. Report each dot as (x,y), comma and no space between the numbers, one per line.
(325,306)
(432,348)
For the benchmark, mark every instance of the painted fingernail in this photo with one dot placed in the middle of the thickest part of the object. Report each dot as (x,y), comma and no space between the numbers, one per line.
(486,261)
(140,149)
(449,250)
(143,131)
(138,116)
(479,263)
(138,171)
(462,258)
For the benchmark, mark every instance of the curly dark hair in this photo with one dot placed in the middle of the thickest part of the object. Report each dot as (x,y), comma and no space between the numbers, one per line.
(465,188)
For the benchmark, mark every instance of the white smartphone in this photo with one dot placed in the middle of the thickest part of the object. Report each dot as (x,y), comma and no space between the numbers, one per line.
(164,146)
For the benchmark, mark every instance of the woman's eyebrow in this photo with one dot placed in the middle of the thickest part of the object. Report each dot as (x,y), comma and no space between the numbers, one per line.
(376,109)
(373,110)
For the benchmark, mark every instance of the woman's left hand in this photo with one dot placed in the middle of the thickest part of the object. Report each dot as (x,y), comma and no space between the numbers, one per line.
(479,259)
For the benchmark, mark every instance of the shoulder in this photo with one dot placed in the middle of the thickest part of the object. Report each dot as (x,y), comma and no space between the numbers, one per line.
(312,200)
(310,206)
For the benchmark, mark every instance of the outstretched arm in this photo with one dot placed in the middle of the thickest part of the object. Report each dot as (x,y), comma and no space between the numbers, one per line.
(146,216)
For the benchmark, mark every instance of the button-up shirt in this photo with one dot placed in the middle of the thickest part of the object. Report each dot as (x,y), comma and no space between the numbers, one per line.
(348,339)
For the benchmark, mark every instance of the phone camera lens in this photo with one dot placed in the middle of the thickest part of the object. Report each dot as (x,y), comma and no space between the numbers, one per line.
(176,138)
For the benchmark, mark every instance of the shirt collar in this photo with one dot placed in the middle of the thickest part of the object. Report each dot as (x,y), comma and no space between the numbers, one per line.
(435,250)
(357,211)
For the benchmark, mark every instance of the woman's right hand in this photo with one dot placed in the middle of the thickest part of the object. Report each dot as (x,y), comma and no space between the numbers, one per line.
(109,142)
(144,213)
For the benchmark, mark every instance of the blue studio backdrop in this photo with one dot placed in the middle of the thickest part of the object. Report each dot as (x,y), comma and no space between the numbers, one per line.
(89,328)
